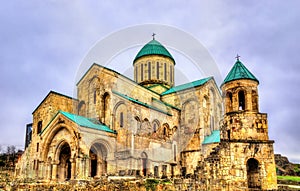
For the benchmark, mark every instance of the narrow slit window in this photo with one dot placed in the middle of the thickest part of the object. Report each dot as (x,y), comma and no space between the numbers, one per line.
(157,70)
(149,70)
(165,68)
(175,153)
(171,74)
(95,97)
(142,77)
(121,119)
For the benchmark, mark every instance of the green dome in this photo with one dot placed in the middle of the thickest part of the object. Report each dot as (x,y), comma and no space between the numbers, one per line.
(153,48)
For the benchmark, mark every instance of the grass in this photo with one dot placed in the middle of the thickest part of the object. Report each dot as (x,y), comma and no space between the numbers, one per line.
(290,178)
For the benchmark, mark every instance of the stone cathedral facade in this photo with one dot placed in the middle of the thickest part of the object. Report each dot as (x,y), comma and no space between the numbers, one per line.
(148,127)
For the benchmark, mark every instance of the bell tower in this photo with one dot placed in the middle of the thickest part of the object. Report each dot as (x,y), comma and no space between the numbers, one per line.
(245,131)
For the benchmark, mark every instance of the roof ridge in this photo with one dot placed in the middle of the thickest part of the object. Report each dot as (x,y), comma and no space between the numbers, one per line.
(188,85)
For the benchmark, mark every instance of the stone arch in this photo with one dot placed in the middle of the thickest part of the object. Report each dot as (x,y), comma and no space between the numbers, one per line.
(165,130)
(174,129)
(98,155)
(63,157)
(137,125)
(145,127)
(93,95)
(49,136)
(155,125)
(145,165)
(190,117)
(229,101)
(82,108)
(120,115)
(253,173)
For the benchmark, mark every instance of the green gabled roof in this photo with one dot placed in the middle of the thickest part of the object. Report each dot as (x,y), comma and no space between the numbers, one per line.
(187,86)
(141,103)
(239,71)
(214,137)
(153,48)
(87,122)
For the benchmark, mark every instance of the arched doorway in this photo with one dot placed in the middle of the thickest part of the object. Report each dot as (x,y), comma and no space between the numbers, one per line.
(144,157)
(253,174)
(64,166)
(98,163)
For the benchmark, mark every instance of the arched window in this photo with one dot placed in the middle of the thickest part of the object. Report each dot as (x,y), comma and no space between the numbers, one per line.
(154,127)
(39,127)
(165,131)
(229,101)
(241,96)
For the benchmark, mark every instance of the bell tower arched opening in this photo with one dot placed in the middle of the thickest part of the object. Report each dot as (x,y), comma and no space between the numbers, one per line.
(241,97)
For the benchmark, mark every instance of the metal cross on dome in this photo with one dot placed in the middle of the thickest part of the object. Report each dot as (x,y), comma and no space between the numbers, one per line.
(237,57)
(153,35)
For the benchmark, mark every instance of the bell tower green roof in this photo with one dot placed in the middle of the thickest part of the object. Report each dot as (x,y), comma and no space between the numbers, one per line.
(239,71)
(153,48)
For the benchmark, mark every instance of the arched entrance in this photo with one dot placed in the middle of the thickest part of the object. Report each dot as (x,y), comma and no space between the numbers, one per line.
(98,163)
(64,166)
(144,157)
(253,174)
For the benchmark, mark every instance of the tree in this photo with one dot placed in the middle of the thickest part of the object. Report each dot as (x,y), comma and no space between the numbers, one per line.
(11,155)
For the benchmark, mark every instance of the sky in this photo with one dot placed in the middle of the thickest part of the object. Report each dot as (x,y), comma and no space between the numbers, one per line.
(42,44)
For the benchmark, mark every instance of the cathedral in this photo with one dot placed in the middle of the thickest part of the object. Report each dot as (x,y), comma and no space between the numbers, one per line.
(148,127)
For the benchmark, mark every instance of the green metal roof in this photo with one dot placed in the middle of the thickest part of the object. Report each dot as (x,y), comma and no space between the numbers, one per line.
(214,137)
(153,48)
(239,71)
(187,86)
(87,122)
(141,103)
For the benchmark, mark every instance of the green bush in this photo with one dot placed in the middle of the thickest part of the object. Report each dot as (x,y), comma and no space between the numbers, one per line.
(151,184)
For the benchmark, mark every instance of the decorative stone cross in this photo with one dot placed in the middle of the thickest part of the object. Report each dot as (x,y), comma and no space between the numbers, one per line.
(153,35)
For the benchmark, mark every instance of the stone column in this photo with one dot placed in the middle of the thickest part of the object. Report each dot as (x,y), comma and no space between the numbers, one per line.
(99,167)
(87,167)
(132,144)
(78,170)
(73,169)
(54,171)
